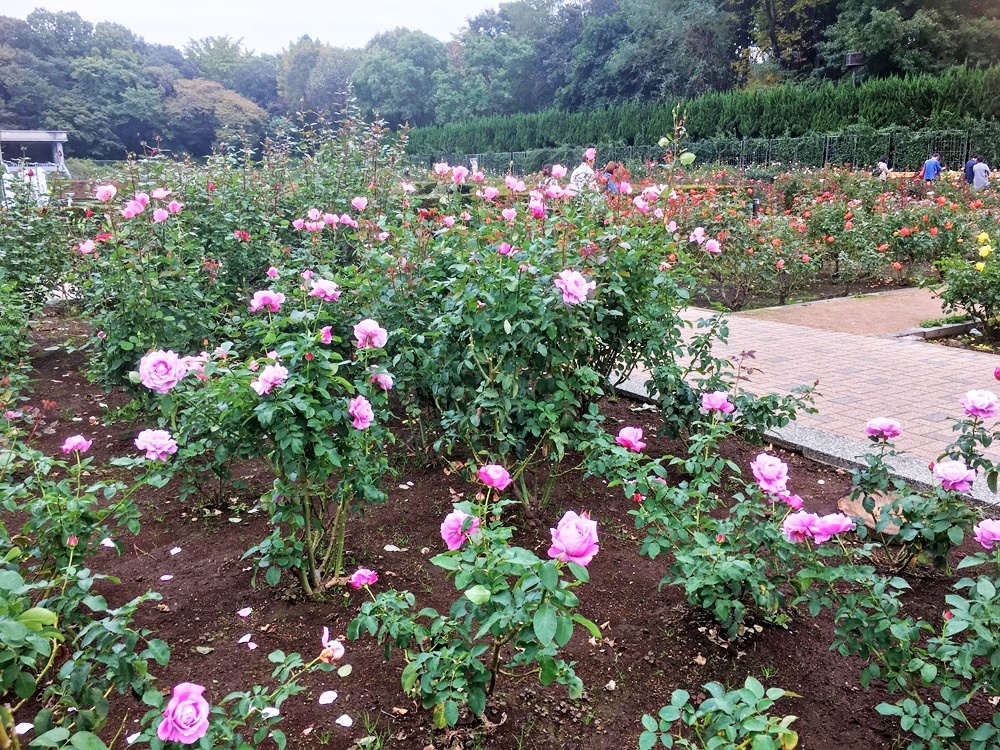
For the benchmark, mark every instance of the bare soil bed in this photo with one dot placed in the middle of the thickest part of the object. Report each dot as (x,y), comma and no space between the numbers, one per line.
(653,641)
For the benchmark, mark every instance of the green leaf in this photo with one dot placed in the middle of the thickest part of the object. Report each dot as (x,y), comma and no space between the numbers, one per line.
(36,618)
(345,670)
(478,594)
(590,626)
(272,576)
(686,158)
(544,623)
(159,650)
(87,741)
(52,738)
(451,712)
(579,572)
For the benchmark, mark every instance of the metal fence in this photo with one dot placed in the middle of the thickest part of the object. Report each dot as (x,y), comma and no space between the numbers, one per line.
(906,150)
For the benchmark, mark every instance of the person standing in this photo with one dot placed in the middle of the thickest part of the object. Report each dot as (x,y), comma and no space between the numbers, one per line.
(932,168)
(980,174)
(967,172)
(583,175)
(882,168)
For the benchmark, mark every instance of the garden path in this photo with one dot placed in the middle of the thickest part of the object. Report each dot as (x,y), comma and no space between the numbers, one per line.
(862,373)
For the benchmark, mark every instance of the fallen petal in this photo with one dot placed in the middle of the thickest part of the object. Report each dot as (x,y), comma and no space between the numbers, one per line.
(269,712)
(328,697)
(132,738)
(345,721)
(175,551)
(106,542)
(251,645)
(244,639)
(166,578)
(245,612)
(23,727)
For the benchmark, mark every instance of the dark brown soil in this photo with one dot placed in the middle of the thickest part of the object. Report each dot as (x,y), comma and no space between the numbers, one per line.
(653,641)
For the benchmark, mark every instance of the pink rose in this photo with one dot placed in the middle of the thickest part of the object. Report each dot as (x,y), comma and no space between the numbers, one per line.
(698,235)
(631,438)
(175,207)
(717,401)
(882,428)
(325,290)
(266,298)
(987,532)
(381,378)
(160,370)
(272,272)
(331,219)
(954,475)
(799,527)
(713,246)
(792,500)
(142,199)
(333,651)
(370,335)
(504,249)
(558,171)
(455,530)
(771,473)
(86,247)
(834,523)
(363,577)
(314,214)
(76,443)
(458,175)
(270,377)
(185,719)
(509,214)
(326,334)
(299,223)
(104,193)
(490,192)
(361,409)
(160,193)
(360,203)
(158,444)
(573,286)
(574,539)
(442,168)
(495,476)
(160,214)
(981,404)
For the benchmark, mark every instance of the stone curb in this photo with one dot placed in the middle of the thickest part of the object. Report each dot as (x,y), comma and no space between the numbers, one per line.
(834,450)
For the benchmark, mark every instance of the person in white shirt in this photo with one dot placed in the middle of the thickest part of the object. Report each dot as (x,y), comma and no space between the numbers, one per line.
(980,174)
(583,175)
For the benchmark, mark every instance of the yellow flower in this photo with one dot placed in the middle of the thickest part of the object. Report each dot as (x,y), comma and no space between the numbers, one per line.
(980,267)
(985,251)
(983,237)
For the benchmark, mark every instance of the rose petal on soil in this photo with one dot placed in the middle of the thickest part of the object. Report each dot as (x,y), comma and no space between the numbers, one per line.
(345,721)
(107,542)
(245,612)
(132,738)
(251,645)
(269,712)
(328,697)
(244,639)
(166,578)
(176,551)
(23,727)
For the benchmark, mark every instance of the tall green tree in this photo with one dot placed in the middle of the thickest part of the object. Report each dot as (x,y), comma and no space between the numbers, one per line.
(396,76)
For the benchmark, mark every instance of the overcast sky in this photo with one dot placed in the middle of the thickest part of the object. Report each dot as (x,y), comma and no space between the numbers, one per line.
(266,25)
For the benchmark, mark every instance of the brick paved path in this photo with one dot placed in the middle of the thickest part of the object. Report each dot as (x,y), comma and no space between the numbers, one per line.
(861,377)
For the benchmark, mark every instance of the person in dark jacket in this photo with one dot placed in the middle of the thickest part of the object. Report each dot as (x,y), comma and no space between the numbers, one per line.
(970,165)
